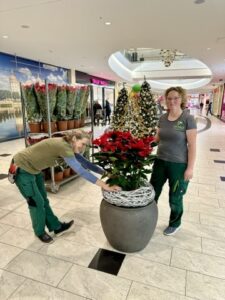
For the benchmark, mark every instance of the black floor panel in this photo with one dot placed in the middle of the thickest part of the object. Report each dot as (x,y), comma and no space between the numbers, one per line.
(107,261)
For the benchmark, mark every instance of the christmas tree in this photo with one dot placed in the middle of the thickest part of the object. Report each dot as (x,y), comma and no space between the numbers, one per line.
(118,120)
(148,109)
(136,113)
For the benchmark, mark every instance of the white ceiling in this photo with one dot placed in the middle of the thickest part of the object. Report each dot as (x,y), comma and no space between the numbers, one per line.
(73,34)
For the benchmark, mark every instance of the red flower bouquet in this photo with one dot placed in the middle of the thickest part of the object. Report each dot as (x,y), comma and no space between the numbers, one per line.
(125,159)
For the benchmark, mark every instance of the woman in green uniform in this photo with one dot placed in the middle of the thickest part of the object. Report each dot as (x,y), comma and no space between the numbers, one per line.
(176,137)
(29,179)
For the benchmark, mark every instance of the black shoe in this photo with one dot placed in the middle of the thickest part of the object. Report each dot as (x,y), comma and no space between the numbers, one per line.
(64,226)
(45,238)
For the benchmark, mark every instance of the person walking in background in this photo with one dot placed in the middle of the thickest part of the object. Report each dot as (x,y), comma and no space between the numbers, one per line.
(107,111)
(30,182)
(209,109)
(97,110)
(201,107)
(176,138)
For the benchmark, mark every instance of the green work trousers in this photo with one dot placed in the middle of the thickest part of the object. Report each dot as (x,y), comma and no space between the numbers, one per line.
(174,172)
(32,188)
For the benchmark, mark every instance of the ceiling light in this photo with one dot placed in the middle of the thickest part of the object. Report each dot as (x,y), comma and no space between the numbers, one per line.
(199,1)
(107,23)
(25,26)
(208,49)
(5,36)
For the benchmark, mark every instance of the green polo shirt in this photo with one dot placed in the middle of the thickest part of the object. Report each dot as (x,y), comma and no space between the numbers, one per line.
(43,155)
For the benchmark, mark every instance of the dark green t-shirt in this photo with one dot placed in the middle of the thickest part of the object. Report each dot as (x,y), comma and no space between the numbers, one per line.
(173,140)
(43,155)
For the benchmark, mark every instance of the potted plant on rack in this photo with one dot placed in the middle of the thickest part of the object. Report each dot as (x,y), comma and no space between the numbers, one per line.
(71,97)
(32,108)
(66,170)
(58,173)
(40,90)
(61,102)
(84,99)
(128,217)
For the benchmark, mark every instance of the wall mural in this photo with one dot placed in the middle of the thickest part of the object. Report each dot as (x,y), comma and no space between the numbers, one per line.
(13,70)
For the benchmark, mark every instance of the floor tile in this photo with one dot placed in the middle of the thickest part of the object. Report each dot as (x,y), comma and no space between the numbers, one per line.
(210,201)
(180,240)
(197,262)
(155,274)
(16,219)
(207,209)
(3,212)
(202,230)
(9,282)
(4,228)
(70,251)
(213,247)
(212,220)
(94,284)
(39,267)
(38,291)
(7,253)
(21,238)
(140,291)
(107,261)
(155,252)
(205,287)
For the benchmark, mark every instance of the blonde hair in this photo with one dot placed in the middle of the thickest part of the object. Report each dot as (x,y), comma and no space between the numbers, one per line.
(78,134)
(181,92)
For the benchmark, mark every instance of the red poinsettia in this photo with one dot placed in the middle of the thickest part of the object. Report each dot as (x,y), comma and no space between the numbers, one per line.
(125,158)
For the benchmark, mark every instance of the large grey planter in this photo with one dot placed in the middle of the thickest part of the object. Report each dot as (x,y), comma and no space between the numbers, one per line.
(128,229)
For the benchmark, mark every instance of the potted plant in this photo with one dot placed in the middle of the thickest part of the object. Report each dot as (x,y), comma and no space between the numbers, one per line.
(32,108)
(61,102)
(66,170)
(40,90)
(128,217)
(58,173)
(71,96)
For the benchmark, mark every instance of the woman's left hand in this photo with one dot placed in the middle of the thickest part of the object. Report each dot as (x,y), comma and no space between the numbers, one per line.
(188,174)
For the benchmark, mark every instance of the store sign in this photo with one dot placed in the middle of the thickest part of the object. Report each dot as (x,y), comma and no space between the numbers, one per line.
(99,81)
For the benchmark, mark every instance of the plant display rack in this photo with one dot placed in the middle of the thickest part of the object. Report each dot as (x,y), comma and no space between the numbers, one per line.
(51,184)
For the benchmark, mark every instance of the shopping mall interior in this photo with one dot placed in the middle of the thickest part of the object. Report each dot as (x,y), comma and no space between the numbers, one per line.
(61,62)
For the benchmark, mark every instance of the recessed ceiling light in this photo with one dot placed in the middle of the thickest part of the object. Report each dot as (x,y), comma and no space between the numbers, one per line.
(5,36)
(199,1)
(107,23)
(25,26)
(208,49)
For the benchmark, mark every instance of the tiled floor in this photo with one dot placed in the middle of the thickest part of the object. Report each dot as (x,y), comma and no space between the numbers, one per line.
(189,265)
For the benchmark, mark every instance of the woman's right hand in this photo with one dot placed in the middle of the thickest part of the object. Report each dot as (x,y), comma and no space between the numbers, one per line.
(107,187)
(112,188)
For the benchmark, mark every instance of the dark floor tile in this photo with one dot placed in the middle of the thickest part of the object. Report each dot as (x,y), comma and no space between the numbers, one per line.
(5,154)
(219,161)
(3,176)
(107,261)
(215,150)
(222,178)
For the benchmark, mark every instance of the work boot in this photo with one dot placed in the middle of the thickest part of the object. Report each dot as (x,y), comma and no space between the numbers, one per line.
(64,226)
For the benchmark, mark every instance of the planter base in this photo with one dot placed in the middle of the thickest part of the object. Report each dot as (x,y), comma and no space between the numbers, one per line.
(128,229)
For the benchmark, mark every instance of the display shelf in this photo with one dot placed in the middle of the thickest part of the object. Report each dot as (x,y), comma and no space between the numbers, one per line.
(53,186)
(32,138)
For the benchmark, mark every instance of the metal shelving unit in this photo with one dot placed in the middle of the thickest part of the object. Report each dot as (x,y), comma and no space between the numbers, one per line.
(51,184)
